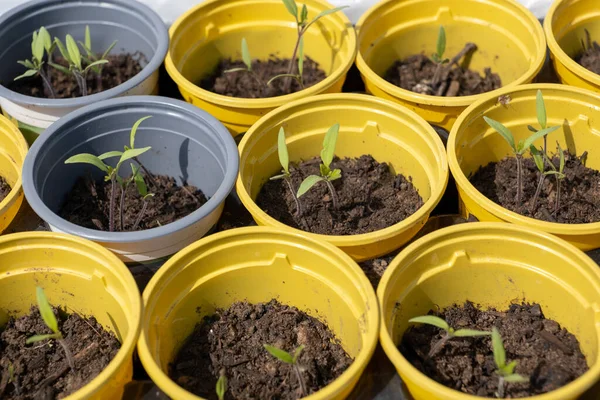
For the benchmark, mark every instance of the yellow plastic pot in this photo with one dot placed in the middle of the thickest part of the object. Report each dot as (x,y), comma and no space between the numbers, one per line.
(564,27)
(491,265)
(258,264)
(213,30)
(472,143)
(510,40)
(13,149)
(83,277)
(385,130)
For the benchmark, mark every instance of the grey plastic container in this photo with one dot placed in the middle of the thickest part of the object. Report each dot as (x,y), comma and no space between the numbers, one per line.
(136,27)
(187,143)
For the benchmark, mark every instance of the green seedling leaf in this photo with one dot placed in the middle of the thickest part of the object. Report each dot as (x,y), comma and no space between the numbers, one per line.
(561,164)
(44,36)
(301,57)
(246,58)
(227,71)
(297,353)
(27,74)
(324,13)
(107,51)
(46,310)
(134,130)
(510,367)
(540,109)
(292,8)
(531,128)
(538,159)
(303,15)
(498,349)
(33,41)
(110,154)
(95,64)
(515,378)
(281,355)
(470,333)
(221,387)
(60,68)
(88,38)
(87,158)
(329,145)
(141,185)
(282,151)
(73,50)
(132,153)
(431,320)
(282,76)
(38,48)
(39,338)
(308,183)
(27,64)
(324,170)
(538,135)
(441,44)
(63,50)
(277,177)
(335,174)
(503,131)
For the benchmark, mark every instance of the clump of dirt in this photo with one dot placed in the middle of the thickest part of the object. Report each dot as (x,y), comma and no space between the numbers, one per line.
(370,198)
(545,353)
(119,69)
(579,190)
(589,58)
(41,370)
(253,85)
(232,342)
(4,188)
(419,74)
(88,204)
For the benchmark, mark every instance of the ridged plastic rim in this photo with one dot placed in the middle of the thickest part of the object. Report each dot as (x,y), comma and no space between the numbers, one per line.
(19,140)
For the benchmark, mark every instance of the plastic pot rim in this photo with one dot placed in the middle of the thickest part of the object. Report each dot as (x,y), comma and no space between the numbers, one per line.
(363,238)
(129,342)
(17,188)
(459,101)
(464,184)
(251,103)
(153,65)
(395,356)
(559,53)
(363,357)
(231,170)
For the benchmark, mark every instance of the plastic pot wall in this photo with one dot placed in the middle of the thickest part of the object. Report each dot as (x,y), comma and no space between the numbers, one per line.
(213,30)
(368,125)
(82,277)
(135,27)
(491,264)
(509,38)
(258,264)
(473,144)
(187,144)
(13,149)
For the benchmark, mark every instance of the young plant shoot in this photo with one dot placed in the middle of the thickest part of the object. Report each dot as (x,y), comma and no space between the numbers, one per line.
(221,387)
(90,58)
(51,322)
(247,60)
(559,174)
(506,372)
(438,56)
(288,358)
(41,42)
(284,160)
(518,149)
(327,174)
(112,175)
(450,332)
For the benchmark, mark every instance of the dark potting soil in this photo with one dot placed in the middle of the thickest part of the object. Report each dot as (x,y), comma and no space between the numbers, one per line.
(579,191)
(416,74)
(546,353)
(4,188)
(88,204)
(370,198)
(41,370)
(590,57)
(119,69)
(232,340)
(244,84)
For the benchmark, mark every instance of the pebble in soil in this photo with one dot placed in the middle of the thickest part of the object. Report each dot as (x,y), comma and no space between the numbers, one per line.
(233,340)
(41,370)
(416,73)
(370,198)
(579,191)
(4,188)
(589,58)
(546,353)
(244,84)
(88,204)
(119,69)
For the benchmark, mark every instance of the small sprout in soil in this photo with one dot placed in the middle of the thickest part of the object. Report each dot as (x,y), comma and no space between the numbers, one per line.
(221,387)
(450,332)
(90,58)
(518,149)
(327,174)
(284,160)
(438,56)
(559,175)
(13,379)
(41,41)
(247,60)
(505,371)
(288,358)
(51,322)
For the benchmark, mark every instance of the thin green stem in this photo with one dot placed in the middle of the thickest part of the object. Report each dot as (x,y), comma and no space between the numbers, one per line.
(300,380)
(288,80)
(67,353)
(47,83)
(557,204)
(519,179)
(111,211)
(501,387)
(537,193)
(140,215)
(333,194)
(291,188)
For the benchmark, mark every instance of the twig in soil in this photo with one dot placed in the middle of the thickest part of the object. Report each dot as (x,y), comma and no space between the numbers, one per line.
(288,358)
(49,380)
(548,336)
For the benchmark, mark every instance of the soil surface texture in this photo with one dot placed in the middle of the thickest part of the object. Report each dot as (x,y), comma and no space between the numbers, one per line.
(579,190)
(41,370)
(252,85)
(119,69)
(370,198)
(546,353)
(232,341)
(417,74)
(88,204)
(590,57)
(4,188)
